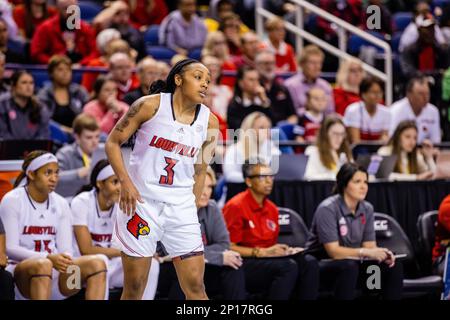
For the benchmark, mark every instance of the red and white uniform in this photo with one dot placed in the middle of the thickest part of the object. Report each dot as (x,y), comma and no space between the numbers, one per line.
(161,166)
(35,230)
(86,212)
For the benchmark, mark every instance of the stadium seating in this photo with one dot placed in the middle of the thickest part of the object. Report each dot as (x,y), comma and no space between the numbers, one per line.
(389,234)
(293,230)
(89,10)
(160,53)
(426,227)
(151,37)
(356,42)
(401,20)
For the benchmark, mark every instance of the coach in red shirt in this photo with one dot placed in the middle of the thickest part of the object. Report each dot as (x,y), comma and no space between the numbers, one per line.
(252,221)
(55,36)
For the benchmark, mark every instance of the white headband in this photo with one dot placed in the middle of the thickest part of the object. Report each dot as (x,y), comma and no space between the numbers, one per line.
(41,161)
(105,173)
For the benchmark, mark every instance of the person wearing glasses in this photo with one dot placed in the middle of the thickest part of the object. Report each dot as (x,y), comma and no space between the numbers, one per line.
(368,119)
(330,151)
(271,268)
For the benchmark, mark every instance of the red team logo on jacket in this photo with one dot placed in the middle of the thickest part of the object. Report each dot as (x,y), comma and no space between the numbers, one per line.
(138,226)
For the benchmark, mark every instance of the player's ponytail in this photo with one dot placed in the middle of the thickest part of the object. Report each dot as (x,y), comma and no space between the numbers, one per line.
(26,162)
(93,178)
(169,85)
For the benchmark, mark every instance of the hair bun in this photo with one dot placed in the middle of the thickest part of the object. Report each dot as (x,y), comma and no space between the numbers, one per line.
(158,86)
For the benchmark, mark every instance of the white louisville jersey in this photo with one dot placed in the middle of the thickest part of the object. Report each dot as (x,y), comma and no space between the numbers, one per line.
(165,151)
(39,227)
(86,212)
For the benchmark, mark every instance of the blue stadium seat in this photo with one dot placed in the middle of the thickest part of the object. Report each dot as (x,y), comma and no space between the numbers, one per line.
(287,129)
(40,78)
(151,35)
(89,10)
(57,134)
(160,53)
(401,20)
(356,42)
(195,54)
(441,3)
(395,42)
(16,46)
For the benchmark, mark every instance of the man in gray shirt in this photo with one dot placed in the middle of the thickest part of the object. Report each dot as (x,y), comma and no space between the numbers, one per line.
(74,159)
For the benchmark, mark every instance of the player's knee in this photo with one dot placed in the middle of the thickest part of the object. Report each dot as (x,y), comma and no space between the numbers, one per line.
(42,267)
(95,265)
(136,284)
(195,286)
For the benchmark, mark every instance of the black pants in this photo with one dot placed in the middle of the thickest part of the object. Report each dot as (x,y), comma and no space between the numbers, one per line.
(345,276)
(6,285)
(224,281)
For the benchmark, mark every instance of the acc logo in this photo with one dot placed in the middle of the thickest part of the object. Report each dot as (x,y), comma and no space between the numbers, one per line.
(284,219)
(138,226)
(380,225)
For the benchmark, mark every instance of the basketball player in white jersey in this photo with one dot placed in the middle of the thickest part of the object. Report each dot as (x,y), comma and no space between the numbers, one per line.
(175,138)
(39,236)
(94,211)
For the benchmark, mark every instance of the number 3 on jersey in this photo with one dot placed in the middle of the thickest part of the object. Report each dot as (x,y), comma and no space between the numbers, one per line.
(168,179)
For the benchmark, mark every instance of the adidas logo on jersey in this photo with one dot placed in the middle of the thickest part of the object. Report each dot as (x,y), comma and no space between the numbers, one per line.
(180,131)
(41,216)
(105,224)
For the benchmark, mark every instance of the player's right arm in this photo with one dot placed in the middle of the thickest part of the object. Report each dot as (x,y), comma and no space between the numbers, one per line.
(141,111)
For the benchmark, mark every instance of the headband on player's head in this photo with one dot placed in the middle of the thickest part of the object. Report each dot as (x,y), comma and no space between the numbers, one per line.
(41,161)
(37,163)
(105,173)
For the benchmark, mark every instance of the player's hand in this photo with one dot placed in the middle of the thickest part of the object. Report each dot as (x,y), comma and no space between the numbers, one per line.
(128,197)
(425,175)
(379,254)
(390,261)
(60,261)
(232,259)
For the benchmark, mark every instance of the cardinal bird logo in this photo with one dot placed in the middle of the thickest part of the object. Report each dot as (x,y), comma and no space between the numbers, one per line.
(138,226)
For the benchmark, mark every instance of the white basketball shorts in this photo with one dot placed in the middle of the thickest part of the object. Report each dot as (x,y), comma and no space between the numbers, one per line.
(176,226)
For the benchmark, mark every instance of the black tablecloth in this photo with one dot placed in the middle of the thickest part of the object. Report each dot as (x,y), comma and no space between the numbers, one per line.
(405,201)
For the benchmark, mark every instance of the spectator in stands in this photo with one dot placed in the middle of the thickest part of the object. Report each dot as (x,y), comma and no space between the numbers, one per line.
(442,237)
(4,87)
(10,55)
(416,106)
(280,98)
(249,96)
(284,53)
(114,46)
(117,16)
(412,163)
(348,79)
(368,119)
(252,220)
(6,12)
(254,140)
(147,73)
(343,227)
(21,114)
(311,60)
(230,26)
(163,70)
(310,122)
(121,71)
(105,107)
(222,8)
(57,35)
(223,270)
(63,98)
(216,45)
(75,159)
(330,152)
(250,44)
(31,14)
(182,30)
(144,13)
(411,33)
(218,96)
(94,211)
(6,278)
(426,55)
(37,222)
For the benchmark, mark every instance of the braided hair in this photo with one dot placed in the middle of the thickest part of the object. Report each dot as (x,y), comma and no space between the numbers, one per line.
(169,85)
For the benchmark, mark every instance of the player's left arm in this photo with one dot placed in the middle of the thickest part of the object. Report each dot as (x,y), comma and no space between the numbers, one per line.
(205,156)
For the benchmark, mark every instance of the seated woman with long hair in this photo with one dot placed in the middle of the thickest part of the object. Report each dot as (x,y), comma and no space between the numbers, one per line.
(412,163)
(330,152)
(39,237)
